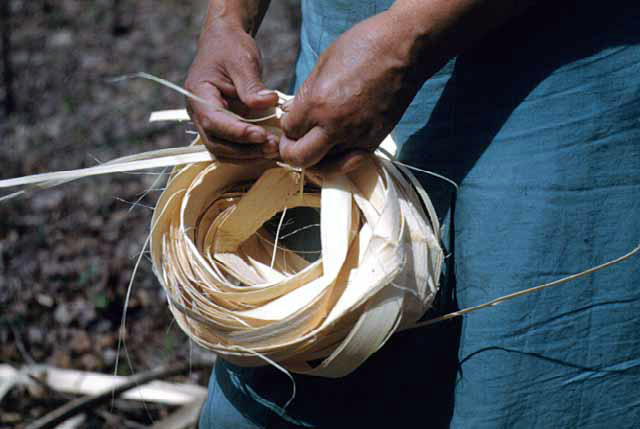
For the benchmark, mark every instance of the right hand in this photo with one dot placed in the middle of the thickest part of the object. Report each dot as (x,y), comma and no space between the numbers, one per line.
(226,73)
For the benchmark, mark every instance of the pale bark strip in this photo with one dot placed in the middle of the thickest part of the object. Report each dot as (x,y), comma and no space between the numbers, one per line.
(79,405)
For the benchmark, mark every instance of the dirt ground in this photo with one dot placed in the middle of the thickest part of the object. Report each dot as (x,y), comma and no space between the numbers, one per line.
(67,254)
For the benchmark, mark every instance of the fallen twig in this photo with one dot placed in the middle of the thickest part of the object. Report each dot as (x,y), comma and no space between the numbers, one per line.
(79,405)
(184,417)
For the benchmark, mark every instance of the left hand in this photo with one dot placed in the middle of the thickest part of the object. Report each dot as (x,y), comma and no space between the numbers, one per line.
(358,91)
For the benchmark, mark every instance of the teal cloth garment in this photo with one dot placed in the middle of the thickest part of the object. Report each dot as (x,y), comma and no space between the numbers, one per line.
(539,123)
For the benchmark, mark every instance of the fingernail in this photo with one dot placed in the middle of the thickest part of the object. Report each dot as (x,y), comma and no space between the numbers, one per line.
(256,137)
(266,92)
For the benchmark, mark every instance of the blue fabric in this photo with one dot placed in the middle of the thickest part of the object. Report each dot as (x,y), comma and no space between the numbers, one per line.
(539,123)
(219,413)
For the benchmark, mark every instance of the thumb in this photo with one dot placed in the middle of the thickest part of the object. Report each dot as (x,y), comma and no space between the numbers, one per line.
(308,150)
(249,86)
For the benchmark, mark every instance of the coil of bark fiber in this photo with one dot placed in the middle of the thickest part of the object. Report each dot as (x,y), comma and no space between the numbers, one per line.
(236,291)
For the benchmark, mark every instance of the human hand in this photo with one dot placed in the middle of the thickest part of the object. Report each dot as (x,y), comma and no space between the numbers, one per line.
(359,89)
(365,80)
(226,73)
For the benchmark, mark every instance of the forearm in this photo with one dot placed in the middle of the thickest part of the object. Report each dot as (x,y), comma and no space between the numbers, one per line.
(444,28)
(246,14)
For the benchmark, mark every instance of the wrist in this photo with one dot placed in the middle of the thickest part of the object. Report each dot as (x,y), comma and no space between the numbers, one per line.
(434,23)
(245,15)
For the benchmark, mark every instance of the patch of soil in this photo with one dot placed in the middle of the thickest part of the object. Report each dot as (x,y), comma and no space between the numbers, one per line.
(67,254)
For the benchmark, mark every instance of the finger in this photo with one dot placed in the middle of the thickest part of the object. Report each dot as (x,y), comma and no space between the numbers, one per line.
(306,151)
(226,87)
(296,121)
(212,122)
(271,148)
(239,151)
(341,164)
(245,74)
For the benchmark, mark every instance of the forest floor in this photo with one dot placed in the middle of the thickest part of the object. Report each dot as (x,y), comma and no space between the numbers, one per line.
(67,254)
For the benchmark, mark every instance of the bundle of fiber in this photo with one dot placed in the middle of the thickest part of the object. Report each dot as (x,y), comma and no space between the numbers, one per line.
(237,292)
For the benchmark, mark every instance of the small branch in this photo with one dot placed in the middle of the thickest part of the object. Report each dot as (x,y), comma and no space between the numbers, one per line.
(79,405)
(185,416)
(20,345)
(117,421)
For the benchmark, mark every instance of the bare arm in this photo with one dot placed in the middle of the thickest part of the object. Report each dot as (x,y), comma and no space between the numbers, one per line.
(247,14)
(450,26)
